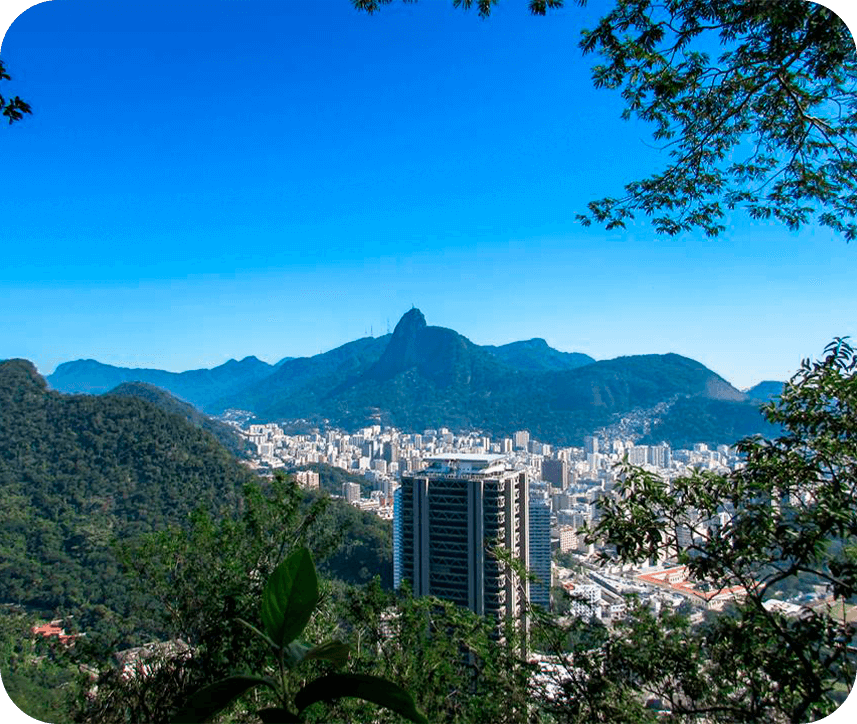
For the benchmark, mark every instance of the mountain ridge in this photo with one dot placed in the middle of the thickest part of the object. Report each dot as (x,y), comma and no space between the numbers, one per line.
(198,387)
(422,376)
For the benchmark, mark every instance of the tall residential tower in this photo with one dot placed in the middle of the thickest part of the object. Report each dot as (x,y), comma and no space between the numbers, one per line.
(455,513)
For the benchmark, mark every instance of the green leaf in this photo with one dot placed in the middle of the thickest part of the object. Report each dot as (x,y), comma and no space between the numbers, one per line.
(369,688)
(289,598)
(334,651)
(211,699)
(295,652)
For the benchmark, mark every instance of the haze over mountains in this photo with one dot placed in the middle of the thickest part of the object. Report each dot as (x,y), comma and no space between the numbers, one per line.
(423,376)
(199,387)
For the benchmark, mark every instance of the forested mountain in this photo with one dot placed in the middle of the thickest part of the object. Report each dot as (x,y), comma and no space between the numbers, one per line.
(309,378)
(536,355)
(765,390)
(225,434)
(713,422)
(199,387)
(424,376)
(431,376)
(78,471)
(81,473)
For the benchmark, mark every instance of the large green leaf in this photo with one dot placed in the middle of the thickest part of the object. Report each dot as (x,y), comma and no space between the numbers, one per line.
(333,651)
(369,688)
(289,598)
(211,699)
(294,653)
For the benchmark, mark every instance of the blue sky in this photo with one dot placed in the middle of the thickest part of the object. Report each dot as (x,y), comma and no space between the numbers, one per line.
(208,180)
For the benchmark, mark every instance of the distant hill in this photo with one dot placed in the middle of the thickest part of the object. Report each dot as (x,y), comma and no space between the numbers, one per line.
(766,390)
(424,376)
(198,387)
(430,376)
(225,434)
(714,422)
(306,378)
(537,356)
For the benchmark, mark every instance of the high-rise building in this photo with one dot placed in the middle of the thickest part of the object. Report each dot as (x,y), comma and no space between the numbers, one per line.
(522,439)
(540,544)
(351,492)
(637,454)
(590,445)
(660,456)
(555,472)
(397,538)
(391,452)
(454,512)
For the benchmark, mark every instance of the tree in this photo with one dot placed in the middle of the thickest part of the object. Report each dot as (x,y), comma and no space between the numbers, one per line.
(14,108)
(289,600)
(191,585)
(767,125)
(790,513)
(449,658)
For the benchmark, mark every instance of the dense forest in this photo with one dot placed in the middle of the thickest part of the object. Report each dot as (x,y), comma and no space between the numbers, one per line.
(225,434)
(95,490)
(78,472)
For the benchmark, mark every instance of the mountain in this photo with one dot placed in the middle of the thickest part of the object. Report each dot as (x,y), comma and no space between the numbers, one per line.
(426,376)
(198,387)
(298,383)
(766,390)
(225,434)
(78,472)
(714,422)
(536,355)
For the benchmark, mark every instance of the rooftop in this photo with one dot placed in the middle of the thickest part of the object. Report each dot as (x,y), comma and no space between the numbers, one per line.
(465,464)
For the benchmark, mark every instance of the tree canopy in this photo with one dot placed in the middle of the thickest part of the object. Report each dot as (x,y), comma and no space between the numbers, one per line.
(13,108)
(753,101)
(790,514)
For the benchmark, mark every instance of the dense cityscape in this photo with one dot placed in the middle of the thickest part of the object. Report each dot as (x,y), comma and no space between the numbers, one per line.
(565,485)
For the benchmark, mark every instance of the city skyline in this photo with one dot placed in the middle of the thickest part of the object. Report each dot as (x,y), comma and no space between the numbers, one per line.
(219,180)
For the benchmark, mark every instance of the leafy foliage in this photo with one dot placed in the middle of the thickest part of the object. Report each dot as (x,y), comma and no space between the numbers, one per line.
(449,658)
(200,581)
(767,125)
(790,512)
(288,601)
(12,108)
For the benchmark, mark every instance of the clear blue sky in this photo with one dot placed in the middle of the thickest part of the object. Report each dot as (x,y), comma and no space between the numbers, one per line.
(207,180)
